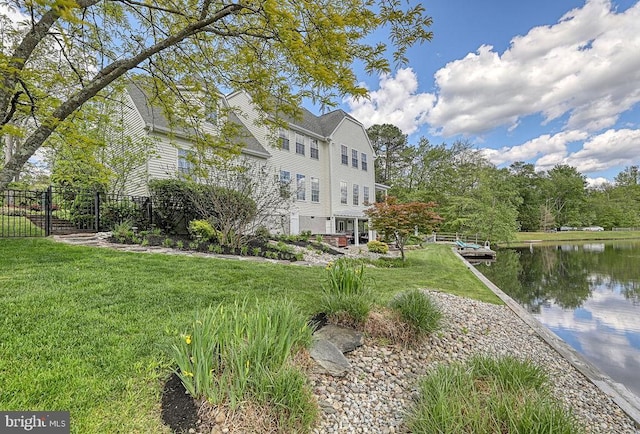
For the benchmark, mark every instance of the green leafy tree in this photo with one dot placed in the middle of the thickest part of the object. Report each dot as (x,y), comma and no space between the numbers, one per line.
(399,221)
(630,176)
(565,190)
(95,151)
(278,52)
(489,208)
(392,152)
(533,212)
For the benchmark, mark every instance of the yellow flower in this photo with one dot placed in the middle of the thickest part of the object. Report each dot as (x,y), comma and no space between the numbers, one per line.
(188,374)
(187,339)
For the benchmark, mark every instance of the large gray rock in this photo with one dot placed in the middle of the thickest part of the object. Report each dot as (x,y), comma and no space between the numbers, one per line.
(345,339)
(329,357)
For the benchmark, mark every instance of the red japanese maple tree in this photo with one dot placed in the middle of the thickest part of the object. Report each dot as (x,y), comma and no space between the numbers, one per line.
(401,220)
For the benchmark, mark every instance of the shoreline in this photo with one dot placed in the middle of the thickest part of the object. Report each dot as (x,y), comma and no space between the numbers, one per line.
(626,400)
(381,384)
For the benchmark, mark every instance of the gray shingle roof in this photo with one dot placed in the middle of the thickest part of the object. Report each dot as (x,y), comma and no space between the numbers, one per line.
(153,117)
(323,125)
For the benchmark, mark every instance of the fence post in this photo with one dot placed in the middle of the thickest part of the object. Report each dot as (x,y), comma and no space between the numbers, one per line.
(150,212)
(48,209)
(96,210)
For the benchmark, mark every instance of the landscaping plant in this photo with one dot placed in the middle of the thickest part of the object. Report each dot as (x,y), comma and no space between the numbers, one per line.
(488,395)
(376,246)
(345,291)
(418,310)
(202,230)
(233,355)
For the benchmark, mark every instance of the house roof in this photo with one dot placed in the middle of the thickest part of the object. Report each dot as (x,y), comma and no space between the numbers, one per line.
(323,125)
(154,118)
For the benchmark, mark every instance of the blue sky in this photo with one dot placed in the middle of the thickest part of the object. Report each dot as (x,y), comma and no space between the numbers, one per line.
(546,82)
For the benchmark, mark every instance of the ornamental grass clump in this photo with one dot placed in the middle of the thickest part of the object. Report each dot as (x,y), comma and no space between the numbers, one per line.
(234,355)
(345,292)
(418,310)
(486,395)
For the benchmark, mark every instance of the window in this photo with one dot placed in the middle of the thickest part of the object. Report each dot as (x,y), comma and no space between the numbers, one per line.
(365,195)
(356,194)
(343,192)
(284,139)
(299,144)
(285,181)
(315,153)
(345,156)
(354,158)
(363,159)
(301,191)
(315,190)
(185,162)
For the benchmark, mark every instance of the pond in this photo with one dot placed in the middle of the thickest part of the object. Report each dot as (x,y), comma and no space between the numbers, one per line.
(586,293)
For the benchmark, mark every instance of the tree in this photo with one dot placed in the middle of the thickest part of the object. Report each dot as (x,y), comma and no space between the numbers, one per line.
(95,151)
(533,213)
(392,152)
(278,52)
(399,221)
(565,190)
(628,177)
(238,197)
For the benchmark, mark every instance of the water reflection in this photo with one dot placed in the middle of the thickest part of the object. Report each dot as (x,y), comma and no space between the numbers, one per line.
(588,294)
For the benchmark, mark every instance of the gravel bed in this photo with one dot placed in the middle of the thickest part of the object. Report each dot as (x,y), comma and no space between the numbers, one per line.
(381,385)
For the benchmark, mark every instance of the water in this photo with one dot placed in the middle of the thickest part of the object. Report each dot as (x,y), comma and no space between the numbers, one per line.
(586,293)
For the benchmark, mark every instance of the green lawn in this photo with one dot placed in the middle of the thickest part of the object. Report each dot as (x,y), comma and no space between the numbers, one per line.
(18,227)
(524,237)
(89,330)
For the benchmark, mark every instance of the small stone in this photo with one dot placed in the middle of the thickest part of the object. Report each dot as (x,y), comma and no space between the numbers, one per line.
(220,418)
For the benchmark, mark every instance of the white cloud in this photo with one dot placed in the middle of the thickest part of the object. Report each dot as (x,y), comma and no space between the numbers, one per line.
(587,66)
(12,14)
(597,182)
(395,102)
(549,147)
(607,150)
(612,148)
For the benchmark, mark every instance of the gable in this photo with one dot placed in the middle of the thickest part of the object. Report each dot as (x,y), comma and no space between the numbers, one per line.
(156,121)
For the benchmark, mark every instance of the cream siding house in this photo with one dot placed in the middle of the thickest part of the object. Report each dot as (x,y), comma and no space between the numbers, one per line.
(329,192)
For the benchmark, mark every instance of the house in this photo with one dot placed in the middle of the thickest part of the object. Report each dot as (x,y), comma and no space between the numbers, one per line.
(327,159)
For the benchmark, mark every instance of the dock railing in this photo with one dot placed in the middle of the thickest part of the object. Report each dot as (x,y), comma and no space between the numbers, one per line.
(449,237)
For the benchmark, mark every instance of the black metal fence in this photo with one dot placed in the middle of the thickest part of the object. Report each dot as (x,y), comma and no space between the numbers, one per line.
(62,210)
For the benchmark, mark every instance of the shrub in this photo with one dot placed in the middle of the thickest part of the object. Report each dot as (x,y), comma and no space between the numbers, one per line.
(418,310)
(172,207)
(114,212)
(203,230)
(345,291)
(82,211)
(262,232)
(123,233)
(305,236)
(167,242)
(488,395)
(376,246)
(233,355)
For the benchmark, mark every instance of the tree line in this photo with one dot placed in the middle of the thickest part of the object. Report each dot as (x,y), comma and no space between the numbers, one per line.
(475,196)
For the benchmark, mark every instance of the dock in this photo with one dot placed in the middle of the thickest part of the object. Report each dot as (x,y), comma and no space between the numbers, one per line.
(475,251)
